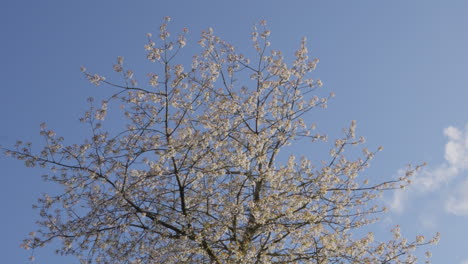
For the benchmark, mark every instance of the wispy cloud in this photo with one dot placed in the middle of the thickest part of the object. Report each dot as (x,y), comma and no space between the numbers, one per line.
(456,149)
(457,203)
(444,177)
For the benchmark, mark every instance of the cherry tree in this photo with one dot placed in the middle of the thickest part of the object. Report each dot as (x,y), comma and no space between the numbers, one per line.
(196,174)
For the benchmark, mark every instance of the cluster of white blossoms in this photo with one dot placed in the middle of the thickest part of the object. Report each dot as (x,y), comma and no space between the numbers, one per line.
(197,175)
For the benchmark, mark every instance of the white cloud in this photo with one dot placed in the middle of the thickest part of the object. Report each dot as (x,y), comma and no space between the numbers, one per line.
(430,180)
(397,204)
(457,203)
(424,181)
(443,176)
(456,149)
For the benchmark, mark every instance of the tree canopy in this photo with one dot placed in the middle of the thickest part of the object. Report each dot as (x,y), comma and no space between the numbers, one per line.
(197,173)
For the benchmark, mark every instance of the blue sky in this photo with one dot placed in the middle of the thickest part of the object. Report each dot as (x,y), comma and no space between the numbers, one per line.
(397,67)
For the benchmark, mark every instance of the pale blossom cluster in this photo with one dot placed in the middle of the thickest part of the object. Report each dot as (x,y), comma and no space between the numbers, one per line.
(95,79)
(197,173)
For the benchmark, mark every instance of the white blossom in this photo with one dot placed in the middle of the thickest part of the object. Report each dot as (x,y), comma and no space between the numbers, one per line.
(198,173)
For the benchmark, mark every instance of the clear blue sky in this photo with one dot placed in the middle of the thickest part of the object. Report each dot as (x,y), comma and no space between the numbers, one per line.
(397,67)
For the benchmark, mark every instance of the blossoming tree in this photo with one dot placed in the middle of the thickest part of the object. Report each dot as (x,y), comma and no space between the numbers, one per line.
(197,174)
